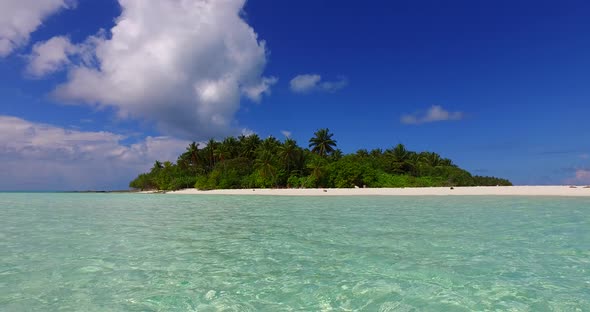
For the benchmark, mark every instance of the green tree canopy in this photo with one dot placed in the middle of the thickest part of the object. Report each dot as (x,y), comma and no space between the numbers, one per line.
(248,161)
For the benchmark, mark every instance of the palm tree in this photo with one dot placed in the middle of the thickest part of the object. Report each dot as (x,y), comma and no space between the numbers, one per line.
(249,146)
(399,153)
(447,162)
(431,159)
(412,164)
(400,159)
(376,153)
(270,144)
(287,153)
(336,155)
(265,163)
(322,142)
(299,161)
(223,152)
(157,166)
(317,165)
(362,153)
(232,146)
(191,156)
(183,161)
(210,152)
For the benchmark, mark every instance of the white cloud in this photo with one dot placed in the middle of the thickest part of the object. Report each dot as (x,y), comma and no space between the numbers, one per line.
(304,83)
(286,133)
(41,156)
(313,82)
(255,92)
(50,56)
(19,18)
(183,65)
(247,132)
(433,114)
(333,86)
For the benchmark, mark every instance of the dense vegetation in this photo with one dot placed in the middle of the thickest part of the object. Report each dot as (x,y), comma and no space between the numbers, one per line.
(250,162)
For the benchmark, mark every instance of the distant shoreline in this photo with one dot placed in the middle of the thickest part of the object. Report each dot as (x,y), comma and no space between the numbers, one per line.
(572,191)
(94,192)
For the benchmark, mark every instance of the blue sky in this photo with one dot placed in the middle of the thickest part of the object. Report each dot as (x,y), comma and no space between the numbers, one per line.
(499,87)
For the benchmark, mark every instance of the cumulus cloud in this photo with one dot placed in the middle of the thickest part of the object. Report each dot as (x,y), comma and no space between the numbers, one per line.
(433,114)
(19,18)
(256,91)
(313,82)
(46,157)
(50,56)
(183,65)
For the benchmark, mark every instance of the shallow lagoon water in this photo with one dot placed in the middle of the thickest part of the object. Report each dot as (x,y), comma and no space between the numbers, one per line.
(126,252)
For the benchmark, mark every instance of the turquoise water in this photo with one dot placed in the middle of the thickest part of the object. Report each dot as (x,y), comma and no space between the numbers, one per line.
(124,252)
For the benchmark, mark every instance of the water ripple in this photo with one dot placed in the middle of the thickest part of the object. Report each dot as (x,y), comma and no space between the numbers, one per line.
(102,252)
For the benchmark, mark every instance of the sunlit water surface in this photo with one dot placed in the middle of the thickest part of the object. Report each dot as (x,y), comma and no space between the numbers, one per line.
(123,252)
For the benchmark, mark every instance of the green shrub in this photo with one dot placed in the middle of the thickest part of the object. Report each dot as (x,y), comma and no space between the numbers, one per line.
(294,181)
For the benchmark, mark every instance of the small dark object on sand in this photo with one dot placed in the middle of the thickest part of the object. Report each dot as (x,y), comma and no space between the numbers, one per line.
(573,186)
(452,188)
(325,190)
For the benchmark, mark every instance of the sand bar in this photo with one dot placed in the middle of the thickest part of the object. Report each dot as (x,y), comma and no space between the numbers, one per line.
(578,191)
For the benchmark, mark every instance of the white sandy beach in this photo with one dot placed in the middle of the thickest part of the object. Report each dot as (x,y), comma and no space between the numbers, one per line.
(578,191)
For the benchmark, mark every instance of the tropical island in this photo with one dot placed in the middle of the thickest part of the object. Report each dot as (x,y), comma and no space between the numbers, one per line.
(251,162)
